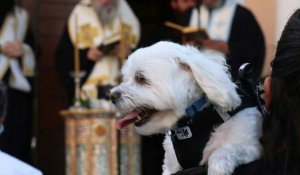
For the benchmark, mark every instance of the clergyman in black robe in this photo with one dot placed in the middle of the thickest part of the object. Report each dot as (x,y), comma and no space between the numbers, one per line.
(244,41)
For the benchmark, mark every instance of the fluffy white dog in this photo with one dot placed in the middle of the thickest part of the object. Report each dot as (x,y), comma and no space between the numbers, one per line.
(161,81)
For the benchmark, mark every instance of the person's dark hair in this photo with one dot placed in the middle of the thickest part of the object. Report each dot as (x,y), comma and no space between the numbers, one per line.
(6,6)
(282,125)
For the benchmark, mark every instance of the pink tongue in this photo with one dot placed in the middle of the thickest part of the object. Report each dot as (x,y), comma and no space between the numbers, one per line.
(128,119)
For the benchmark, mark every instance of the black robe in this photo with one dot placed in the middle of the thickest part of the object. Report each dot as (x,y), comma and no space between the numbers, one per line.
(259,167)
(16,138)
(263,167)
(65,63)
(246,42)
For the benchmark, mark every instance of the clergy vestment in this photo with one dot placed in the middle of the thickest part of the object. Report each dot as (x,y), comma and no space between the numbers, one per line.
(85,21)
(18,74)
(236,25)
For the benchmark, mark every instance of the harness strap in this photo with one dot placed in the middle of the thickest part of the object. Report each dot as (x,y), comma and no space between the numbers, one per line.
(224,115)
(192,134)
(194,130)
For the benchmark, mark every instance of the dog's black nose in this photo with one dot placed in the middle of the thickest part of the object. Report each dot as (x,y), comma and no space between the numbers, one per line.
(114,96)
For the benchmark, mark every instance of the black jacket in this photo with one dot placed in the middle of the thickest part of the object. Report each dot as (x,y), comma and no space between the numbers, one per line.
(259,167)
(246,42)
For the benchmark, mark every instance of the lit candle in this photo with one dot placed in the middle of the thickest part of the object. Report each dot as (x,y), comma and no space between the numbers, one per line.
(77,66)
(76,49)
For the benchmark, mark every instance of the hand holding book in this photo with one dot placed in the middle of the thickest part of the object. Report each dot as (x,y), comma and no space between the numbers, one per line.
(217,45)
(108,47)
(189,35)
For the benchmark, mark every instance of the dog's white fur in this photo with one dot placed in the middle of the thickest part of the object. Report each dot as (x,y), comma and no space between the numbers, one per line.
(176,77)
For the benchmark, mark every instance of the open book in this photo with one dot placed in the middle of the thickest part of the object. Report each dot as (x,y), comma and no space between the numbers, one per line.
(188,34)
(109,44)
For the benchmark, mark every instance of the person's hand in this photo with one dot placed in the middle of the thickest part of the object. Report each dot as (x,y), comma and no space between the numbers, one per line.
(218,45)
(13,49)
(94,54)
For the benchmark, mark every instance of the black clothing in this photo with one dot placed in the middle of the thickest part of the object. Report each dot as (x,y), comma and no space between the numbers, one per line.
(158,12)
(3,100)
(259,167)
(189,150)
(16,138)
(6,6)
(262,167)
(152,154)
(194,131)
(246,42)
(169,34)
(152,30)
(192,171)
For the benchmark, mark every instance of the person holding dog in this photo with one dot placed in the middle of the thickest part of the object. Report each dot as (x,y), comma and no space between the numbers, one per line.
(232,30)
(281,131)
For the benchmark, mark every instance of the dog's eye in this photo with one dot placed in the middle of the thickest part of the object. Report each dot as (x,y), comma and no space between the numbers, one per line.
(140,78)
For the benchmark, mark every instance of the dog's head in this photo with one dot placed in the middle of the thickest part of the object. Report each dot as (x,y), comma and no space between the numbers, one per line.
(161,81)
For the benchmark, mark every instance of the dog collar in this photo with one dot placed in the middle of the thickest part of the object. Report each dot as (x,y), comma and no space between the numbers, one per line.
(195,107)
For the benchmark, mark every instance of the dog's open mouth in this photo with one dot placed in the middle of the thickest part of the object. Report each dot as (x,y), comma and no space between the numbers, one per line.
(138,116)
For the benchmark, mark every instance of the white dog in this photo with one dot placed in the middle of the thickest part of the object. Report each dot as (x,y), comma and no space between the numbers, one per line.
(162,81)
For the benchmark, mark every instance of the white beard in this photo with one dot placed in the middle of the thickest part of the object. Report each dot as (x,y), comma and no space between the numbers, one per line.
(106,13)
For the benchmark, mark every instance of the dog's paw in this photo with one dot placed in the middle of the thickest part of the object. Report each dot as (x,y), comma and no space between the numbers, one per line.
(220,167)
(213,144)
(206,154)
(221,162)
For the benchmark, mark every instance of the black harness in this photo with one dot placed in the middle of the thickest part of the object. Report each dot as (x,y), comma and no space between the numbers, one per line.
(190,138)
(194,130)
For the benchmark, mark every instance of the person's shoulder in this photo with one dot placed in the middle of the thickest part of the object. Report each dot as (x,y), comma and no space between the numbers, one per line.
(21,11)
(243,12)
(12,165)
(82,7)
(19,8)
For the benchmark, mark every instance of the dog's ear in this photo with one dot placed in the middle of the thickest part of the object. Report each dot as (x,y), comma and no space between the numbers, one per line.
(211,74)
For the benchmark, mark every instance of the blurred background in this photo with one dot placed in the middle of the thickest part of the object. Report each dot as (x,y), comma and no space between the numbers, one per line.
(48,19)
